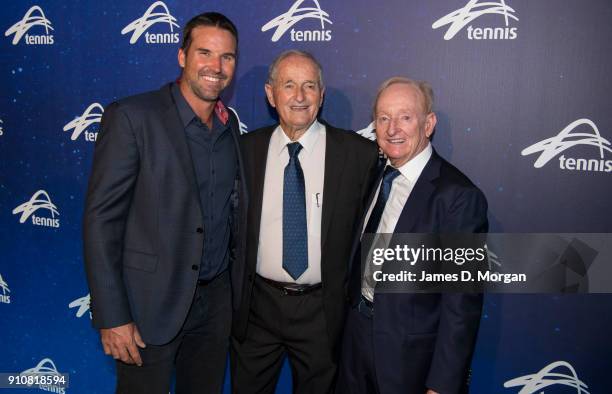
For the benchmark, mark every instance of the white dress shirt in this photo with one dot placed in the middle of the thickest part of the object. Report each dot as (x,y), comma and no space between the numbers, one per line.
(312,161)
(400,191)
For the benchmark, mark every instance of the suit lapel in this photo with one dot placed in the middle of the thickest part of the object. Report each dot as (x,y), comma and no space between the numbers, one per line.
(175,133)
(419,196)
(258,173)
(334,167)
(357,237)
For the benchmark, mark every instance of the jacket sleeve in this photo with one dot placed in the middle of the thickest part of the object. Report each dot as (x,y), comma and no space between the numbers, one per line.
(109,196)
(460,312)
(369,176)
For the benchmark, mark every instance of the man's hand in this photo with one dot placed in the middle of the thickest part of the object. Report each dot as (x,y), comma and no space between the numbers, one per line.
(431,392)
(121,342)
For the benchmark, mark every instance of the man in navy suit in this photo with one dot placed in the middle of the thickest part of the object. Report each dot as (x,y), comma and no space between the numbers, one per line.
(164,222)
(400,342)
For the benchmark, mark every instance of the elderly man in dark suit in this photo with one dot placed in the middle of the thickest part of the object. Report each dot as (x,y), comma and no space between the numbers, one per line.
(411,343)
(164,218)
(307,183)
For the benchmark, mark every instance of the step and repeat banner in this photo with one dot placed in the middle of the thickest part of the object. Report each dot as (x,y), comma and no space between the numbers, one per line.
(522,97)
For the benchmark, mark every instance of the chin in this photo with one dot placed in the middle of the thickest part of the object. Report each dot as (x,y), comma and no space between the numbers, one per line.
(397,159)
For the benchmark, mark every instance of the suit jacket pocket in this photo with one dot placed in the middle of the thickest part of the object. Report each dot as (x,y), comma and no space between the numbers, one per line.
(139,260)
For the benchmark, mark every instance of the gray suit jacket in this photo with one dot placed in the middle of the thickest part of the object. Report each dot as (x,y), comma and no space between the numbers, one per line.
(143,228)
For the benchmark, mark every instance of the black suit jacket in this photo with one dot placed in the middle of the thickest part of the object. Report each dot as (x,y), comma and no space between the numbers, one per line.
(143,227)
(350,168)
(427,340)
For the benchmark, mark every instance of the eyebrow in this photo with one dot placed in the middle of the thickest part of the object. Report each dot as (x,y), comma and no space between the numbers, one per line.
(209,50)
(307,81)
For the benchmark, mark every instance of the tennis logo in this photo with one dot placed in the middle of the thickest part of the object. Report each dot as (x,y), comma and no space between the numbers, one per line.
(33,17)
(461,17)
(82,304)
(570,138)
(368,132)
(80,124)
(46,376)
(150,18)
(39,201)
(295,14)
(550,375)
(5,297)
(243,127)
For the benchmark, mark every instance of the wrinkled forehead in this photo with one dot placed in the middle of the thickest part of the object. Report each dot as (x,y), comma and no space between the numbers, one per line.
(401,94)
(297,66)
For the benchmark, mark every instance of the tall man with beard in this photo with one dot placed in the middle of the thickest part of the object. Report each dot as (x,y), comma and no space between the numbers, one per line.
(164,219)
(307,182)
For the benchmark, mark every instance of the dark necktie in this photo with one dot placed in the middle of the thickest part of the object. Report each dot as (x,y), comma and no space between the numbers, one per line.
(295,230)
(357,271)
(383,195)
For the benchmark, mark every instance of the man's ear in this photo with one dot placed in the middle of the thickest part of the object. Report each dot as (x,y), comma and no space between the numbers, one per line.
(181,58)
(270,94)
(322,97)
(430,124)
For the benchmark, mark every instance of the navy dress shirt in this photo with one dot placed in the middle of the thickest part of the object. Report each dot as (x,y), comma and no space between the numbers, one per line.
(213,153)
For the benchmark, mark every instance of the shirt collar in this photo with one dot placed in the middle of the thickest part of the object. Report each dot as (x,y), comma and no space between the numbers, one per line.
(412,169)
(308,140)
(184,110)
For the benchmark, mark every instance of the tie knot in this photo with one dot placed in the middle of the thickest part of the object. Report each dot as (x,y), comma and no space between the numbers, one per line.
(294,148)
(390,174)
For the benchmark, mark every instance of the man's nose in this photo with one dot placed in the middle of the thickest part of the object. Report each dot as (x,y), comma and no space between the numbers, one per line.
(394,127)
(215,64)
(299,96)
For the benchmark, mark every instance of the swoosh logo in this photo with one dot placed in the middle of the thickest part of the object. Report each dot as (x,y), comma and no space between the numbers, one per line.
(566,139)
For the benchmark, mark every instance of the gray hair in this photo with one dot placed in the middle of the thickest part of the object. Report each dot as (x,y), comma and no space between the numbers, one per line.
(272,70)
(423,87)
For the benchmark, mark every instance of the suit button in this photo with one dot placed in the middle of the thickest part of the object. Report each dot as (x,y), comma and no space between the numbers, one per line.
(199,230)
(250,277)
(195,267)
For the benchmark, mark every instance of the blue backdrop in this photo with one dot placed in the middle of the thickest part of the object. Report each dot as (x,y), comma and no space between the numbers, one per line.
(521,96)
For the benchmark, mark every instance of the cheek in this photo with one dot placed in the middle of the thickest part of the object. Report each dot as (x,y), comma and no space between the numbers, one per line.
(381,130)
(195,66)
(315,97)
(228,68)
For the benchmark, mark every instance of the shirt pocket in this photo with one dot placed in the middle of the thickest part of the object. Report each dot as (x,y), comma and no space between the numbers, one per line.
(316,209)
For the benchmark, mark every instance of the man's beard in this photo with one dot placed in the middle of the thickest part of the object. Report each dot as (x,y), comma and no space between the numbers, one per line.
(200,93)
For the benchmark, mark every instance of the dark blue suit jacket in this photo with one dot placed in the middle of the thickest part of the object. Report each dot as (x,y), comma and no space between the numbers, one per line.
(143,227)
(426,340)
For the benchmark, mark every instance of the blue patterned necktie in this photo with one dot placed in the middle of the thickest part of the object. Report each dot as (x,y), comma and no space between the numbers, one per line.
(295,229)
(383,195)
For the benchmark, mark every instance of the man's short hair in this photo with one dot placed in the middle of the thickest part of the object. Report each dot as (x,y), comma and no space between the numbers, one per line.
(272,70)
(423,87)
(214,19)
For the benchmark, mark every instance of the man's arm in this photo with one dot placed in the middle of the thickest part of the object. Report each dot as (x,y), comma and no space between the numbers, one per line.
(109,195)
(369,177)
(460,313)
